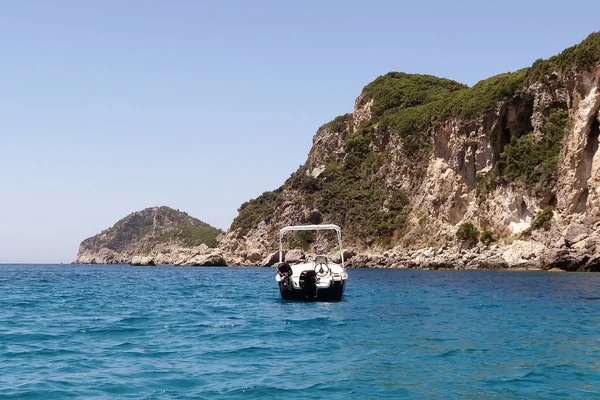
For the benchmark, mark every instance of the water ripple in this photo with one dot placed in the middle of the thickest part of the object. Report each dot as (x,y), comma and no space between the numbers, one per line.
(103,332)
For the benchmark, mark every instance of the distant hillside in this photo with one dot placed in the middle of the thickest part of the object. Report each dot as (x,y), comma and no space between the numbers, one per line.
(151,236)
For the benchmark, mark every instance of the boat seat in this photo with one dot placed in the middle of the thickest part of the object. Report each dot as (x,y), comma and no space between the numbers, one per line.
(321,260)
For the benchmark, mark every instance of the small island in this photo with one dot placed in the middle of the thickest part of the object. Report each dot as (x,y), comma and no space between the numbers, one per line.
(153,236)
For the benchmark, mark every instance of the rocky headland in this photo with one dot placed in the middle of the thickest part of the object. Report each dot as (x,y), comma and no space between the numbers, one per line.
(429,173)
(426,172)
(153,236)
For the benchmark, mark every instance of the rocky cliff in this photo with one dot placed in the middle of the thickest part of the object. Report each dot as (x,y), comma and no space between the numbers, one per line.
(157,235)
(428,172)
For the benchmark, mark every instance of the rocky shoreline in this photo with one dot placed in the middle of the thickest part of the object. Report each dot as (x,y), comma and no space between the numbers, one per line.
(521,256)
(164,254)
(576,253)
(571,245)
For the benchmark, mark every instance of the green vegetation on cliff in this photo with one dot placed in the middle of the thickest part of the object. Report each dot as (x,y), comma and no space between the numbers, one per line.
(411,107)
(255,211)
(487,237)
(413,123)
(338,123)
(463,103)
(350,193)
(467,232)
(584,56)
(542,220)
(354,190)
(528,162)
(534,163)
(398,90)
(152,226)
(358,205)
(192,235)
(484,96)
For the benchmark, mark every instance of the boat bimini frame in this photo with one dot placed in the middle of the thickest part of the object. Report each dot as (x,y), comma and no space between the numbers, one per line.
(311,228)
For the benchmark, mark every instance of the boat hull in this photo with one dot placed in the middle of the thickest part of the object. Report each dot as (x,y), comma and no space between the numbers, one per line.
(332,293)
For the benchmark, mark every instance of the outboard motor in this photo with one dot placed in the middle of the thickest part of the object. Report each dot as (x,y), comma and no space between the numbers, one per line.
(308,282)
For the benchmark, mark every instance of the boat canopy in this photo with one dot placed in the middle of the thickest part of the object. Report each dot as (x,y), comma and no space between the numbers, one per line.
(311,228)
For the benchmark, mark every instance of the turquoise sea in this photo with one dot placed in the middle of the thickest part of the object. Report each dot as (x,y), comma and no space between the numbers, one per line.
(108,332)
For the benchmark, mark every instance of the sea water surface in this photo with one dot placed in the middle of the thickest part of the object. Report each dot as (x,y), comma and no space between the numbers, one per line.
(104,332)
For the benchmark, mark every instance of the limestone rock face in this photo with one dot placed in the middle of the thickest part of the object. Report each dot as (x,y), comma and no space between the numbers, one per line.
(272,259)
(251,250)
(447,183)
(295,256)
(154,236)
(142,260)
(521,252)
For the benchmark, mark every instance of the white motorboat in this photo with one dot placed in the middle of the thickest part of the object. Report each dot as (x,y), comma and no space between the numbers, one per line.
(319,279)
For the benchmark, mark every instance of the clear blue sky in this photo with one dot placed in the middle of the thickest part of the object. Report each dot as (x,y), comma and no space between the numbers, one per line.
(108,107)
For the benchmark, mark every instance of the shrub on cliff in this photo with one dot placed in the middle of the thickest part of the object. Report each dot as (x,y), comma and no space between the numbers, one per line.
(542,220)
(352,198)
(337,124)
(467,232)
(484,185)
(487,237)
(304,182)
